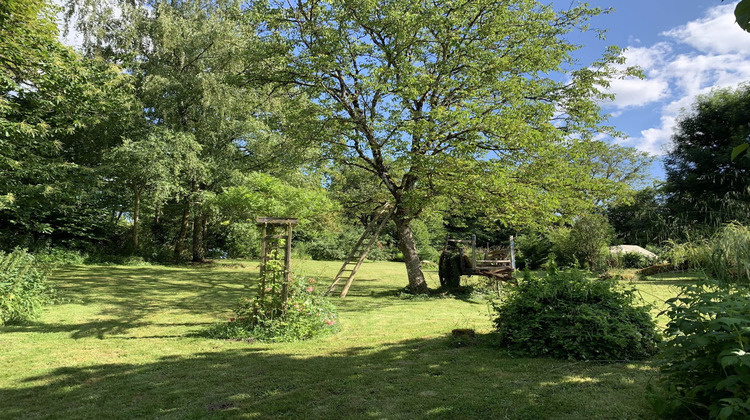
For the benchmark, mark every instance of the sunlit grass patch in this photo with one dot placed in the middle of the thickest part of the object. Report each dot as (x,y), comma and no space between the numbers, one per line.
(118,346)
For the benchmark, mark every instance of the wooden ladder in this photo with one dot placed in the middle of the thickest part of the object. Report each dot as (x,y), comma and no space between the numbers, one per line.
(362,247)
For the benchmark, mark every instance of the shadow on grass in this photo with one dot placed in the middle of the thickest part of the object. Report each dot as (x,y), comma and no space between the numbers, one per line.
(99,329)
(133,297)
(420,378)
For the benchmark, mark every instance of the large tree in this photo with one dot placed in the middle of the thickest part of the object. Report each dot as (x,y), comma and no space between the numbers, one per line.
(704,185)
(58,112)
(190,60)
(479,102)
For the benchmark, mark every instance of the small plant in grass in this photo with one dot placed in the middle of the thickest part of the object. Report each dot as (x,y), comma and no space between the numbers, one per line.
(305,314)
(706,357)
(566,315)
(23,287)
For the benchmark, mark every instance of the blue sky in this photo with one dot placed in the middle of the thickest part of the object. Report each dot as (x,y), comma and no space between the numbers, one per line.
(685,48)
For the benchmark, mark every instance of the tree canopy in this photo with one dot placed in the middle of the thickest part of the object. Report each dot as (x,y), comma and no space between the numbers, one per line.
(475,102)
(704,185)
(178,122)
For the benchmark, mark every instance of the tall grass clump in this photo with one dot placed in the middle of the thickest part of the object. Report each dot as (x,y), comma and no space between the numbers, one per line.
(23,287)
(729,258)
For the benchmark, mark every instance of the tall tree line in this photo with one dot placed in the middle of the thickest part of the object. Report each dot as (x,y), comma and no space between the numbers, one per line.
(472,108)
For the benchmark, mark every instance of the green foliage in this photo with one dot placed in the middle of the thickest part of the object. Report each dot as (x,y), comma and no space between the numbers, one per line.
(568,316)
(305,315)
(704,186)
(23,287)
(725,256)
(633,260)
(643,220)
(706,370)
(331,245)
(54,257)
(729,254)
(58,112)
(586,242)
(260,194)
(533,250)
(742,14)
(242,240)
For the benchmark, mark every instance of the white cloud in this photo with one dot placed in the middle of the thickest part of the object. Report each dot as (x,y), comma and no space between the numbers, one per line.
(718,56)
(715,33)
(636,92)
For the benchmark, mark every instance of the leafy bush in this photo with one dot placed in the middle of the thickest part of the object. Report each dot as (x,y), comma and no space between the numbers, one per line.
(23,287)
(691,254)
(630,260)
(586,241)
(568,316)
(706,370)
(725,256)
(533,251)
(243,240)
(332,246)
(59,256)
(306,314)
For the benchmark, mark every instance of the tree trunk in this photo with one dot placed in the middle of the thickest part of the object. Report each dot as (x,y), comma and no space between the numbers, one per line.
(183,230)
(408,247)
(136,218)
(199,253)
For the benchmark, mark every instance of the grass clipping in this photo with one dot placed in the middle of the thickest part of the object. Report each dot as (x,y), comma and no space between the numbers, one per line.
(305,314)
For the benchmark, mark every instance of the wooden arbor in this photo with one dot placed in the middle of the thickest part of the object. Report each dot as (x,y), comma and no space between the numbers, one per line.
(276,254)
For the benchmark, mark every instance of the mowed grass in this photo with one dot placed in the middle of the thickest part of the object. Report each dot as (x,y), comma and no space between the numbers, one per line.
(119,346)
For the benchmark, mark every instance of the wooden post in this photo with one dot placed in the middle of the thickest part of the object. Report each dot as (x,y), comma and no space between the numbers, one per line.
(473,253)
(287,264)
(263,259)
(512,253)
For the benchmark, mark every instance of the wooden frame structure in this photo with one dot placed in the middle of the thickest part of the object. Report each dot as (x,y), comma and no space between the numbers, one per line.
(270,246)
(497,269)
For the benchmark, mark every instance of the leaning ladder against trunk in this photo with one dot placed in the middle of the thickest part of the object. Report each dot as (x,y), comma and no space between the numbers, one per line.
(363,246)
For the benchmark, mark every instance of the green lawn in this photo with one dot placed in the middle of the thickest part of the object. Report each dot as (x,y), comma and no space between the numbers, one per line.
(118,346)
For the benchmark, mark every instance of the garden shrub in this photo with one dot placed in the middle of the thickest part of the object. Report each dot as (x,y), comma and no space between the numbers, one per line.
(630,260)
(59,257)
(585,242)
(706,370)
(533,250)
(242,240)
(23,287)
(306,314)
(566,315)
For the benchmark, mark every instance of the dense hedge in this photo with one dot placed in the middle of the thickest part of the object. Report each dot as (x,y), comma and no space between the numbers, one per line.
(568,316)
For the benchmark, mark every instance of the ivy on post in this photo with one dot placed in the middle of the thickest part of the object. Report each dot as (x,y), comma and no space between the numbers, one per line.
(275,271)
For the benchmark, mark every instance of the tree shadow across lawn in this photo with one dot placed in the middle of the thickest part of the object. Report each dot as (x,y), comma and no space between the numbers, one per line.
(421,378)
(101,329)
